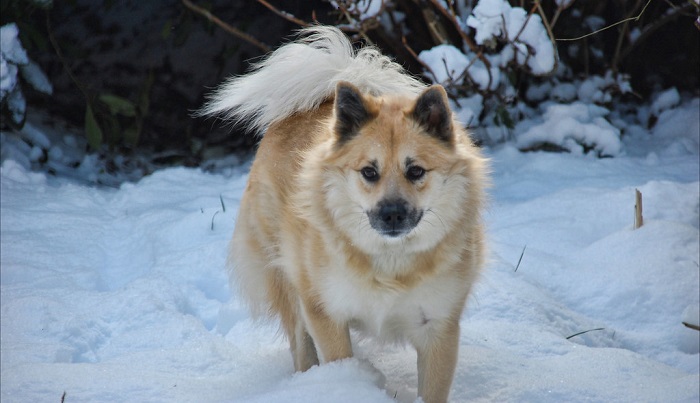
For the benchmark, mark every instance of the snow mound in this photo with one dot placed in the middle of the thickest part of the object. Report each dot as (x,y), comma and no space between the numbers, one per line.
(576,128)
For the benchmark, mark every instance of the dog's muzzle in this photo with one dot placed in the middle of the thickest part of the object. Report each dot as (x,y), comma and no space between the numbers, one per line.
(394,218)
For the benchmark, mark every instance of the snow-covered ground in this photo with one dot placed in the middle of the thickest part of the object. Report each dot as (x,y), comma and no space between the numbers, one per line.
(122,294)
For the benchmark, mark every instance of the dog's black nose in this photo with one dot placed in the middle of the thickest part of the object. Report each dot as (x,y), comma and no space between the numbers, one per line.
(393,214)
(394,217)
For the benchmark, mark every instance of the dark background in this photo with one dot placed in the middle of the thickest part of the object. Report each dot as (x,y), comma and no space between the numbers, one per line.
(165,57)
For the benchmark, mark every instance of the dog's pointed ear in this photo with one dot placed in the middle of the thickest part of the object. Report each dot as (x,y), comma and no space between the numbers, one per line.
(351,111)
(433,113)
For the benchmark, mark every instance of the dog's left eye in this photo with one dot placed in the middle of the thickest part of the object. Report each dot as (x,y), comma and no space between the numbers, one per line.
(414,173)
(370,174)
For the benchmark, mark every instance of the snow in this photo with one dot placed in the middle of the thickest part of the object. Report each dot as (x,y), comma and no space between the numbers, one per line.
(468,109)
(563,3)
(676,133)
(36,77)
(573,127)
(121,294)
(496,19)
(368,8)
(563,92)
(665,100)
(363,9)
(538,92)
(486,19)
(11,54)
(13,58)
(530,32)
(447,63)
(593,90)
(12,50)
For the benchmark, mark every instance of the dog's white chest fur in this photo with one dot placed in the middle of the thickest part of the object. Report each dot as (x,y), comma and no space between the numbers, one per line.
(385,310)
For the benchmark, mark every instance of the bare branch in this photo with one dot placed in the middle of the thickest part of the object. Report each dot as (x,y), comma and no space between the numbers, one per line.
(465,38)
(620,38)
(226,27)
(654,26)
(287,16)
(560,8)
(609,26)
(551,38)
(460,31)
(522,28)
(415,56)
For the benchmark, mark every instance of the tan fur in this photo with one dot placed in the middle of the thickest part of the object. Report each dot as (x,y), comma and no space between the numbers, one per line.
(303,250)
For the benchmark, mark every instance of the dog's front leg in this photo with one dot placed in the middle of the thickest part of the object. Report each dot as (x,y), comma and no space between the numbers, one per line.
(332,339)
(437,359)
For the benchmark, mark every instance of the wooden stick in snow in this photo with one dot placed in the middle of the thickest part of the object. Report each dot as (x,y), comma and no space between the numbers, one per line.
(638,219)
(692,326)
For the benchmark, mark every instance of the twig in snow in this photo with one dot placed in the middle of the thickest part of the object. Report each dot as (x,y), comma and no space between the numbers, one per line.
(585,331)
(212,219)
(521,259)
(223,206)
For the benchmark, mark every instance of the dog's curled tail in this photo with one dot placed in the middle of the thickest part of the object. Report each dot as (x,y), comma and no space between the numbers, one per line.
(301,75)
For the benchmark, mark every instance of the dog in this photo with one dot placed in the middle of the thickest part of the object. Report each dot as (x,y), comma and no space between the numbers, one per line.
(363,205)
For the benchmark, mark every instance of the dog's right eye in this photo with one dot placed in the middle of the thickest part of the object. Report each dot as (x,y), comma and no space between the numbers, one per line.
(370,174)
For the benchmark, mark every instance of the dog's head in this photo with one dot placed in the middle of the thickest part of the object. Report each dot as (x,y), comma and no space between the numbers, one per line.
(397,171)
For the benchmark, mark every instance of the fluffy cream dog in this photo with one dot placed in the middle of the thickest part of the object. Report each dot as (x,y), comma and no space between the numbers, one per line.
(363,205)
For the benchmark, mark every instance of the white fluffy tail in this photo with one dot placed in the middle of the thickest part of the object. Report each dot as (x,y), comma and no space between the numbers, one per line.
(300,75)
